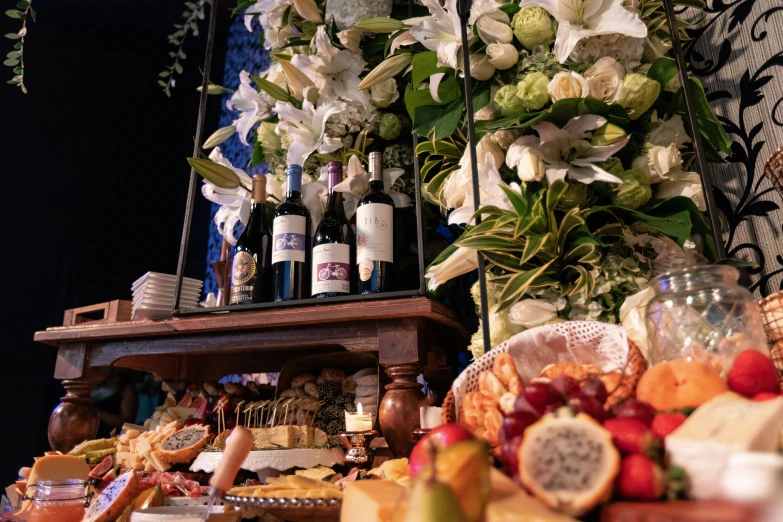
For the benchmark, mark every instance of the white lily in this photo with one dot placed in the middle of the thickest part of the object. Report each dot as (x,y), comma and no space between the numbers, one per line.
(490,192)
(480,7)
(234,203)
(461,261)
(357,183)
(578,19)
(252,106)
(440,32)
(270,15)
(334,71)
(307,127)
(568,151)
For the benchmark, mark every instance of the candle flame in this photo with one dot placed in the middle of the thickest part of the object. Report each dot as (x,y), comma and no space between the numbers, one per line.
(358,407)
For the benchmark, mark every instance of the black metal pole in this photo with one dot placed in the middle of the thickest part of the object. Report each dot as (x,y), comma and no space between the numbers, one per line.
(202,114)
(417,182)
(464,14)
(698,147)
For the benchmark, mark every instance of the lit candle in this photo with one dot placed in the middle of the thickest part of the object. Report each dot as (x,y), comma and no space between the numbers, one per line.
(429,417)
(358,421)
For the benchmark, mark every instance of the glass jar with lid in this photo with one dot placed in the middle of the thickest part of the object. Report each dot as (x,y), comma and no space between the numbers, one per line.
(62,500)
(702,313)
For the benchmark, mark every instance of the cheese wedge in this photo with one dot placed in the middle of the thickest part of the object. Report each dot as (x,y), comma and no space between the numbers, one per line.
(724,425)
(510,503)
(57,467)
(370,501)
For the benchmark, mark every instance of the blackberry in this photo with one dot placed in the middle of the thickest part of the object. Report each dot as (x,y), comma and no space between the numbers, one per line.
(331,413)
(344,399)
(329,391)
(335,427)
(350,407)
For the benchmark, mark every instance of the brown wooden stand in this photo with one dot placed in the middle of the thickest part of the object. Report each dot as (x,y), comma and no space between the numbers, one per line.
(198,348)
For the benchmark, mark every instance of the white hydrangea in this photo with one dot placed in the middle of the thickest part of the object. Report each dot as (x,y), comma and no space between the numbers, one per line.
(353,119)
(347,12)
(625,49)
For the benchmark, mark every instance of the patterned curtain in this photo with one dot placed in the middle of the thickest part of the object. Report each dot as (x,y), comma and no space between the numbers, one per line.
(737,51)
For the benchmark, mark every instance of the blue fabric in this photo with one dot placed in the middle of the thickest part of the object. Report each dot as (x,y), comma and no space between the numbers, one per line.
(243,52)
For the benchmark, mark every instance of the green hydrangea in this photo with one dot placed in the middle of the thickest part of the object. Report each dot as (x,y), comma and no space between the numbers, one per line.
(576,195)
(533,91)
(635,190)
(639,94)
(612,166)
(534,26)
(509,103)
(390,126)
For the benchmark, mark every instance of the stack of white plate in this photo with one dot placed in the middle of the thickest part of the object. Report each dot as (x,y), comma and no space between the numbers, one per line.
(153,295)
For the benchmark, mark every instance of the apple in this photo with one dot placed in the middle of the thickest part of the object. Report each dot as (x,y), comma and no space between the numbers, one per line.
(440,438)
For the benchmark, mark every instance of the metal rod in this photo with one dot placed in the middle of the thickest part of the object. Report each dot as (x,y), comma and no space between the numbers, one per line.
(464,14)
(417,182)
(202,115)
(698,147)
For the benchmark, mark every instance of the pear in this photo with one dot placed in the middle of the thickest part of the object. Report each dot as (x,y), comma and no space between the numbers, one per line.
(464,466)
(433,501)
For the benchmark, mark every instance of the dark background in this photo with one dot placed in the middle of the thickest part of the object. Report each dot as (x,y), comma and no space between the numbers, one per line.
(94,181)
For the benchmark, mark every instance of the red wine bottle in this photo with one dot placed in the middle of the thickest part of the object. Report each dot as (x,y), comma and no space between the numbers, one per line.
(375,233)
(331,253)
(291,242)
(251,280)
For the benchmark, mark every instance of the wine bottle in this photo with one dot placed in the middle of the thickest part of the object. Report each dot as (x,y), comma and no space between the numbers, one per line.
(375,234)
(331,253)
(251,280)
(291,241)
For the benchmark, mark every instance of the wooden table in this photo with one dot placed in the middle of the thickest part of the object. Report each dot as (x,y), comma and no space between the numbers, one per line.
(197,348)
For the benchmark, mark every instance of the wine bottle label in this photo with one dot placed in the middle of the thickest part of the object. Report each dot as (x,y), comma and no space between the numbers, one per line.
(375,233)
(289,239)
(243,278)
(331,268)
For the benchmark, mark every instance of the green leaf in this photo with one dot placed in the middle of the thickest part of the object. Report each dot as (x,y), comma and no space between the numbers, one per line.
(177,67)
(164,74)
(11,63)
(33,14)
(711,128)
(18,70)
(257,157)
(490,242)
(481,95)
(18,45)
(518,285)
(271,89)
(162,83)
(504,261)
(13,13)
(424,66)
(518,202)
(24,4)
(533,246)
(446,149)
(218,175)
(585,254)
(571,221)
(14,55)
(443,119)
(182,54)
(663,71)
(510,9)
(12,36)
(448,91)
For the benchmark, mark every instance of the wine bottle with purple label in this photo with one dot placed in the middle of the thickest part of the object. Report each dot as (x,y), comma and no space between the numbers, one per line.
(331,274)
(375,234)
(291,241)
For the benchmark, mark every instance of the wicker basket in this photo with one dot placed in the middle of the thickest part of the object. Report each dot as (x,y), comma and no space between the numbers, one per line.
(634,366)
(772,317)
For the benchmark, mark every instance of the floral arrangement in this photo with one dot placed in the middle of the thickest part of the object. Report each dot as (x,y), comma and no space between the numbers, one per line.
(583,156)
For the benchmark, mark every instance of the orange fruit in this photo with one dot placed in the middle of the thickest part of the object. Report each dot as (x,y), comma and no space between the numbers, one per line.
(679,383)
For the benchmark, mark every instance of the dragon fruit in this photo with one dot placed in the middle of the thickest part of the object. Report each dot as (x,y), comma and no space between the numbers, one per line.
(113,499)
(184,445)
(568,461)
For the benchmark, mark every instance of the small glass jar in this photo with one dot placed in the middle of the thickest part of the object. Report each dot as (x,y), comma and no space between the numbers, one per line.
(702,313)
(63,501)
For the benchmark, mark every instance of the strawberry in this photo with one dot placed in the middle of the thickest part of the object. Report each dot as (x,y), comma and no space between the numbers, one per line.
(640,479)
(630,436)
(765,396)
(753,373)
(665,423)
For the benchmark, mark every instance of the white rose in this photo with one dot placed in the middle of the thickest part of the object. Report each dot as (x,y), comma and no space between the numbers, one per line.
(480,68)
(568,85)
(658,161)
(351,38)
(492,31)
(488,112)
(605,79)
(384,94)
(456,186)
(532,312)
(632,318)
(681,183)
(667,132)
(502,56)
(527,159)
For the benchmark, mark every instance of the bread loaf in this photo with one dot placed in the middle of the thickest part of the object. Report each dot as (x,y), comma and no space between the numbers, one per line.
(311,389)
(291,393)
(333,374)
(300,380)
(367,380)
(365,371)
(365,391)
(372,400)
(349,385)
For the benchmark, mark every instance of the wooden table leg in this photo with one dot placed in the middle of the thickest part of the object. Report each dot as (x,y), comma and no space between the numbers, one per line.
(398,412)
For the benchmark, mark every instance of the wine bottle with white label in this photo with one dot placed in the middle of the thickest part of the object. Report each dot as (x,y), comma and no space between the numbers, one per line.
(331,274)
(251,280)
(375,234)
(291,242)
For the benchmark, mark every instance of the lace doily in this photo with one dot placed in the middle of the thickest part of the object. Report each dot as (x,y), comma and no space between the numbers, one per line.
(586,342)
(279,460)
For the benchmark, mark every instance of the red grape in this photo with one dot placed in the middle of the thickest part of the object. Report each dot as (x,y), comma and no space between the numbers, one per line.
(515,424)
(522,405)
(564,384)
(511,455)
(595,388)
(587,405)
(551,408)
(633,409)
(541,394)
